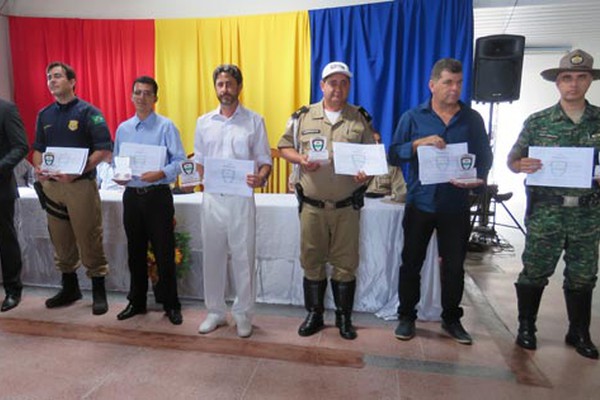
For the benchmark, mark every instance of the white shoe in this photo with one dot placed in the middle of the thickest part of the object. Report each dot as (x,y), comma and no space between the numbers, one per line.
(212,322)
(244,326)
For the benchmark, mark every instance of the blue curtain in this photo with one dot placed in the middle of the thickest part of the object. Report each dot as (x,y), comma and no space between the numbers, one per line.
(390,48)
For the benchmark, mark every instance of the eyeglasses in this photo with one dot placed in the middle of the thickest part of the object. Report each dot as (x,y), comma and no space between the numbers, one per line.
(143,93)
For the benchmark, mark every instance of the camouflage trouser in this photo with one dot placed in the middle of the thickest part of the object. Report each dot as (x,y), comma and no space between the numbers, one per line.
(552,229)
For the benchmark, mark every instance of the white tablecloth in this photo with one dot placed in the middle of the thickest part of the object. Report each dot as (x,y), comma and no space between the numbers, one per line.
(279,275)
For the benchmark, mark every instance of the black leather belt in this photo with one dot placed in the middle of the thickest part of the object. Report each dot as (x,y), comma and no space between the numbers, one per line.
(328,204)
(147,189)
(589,200)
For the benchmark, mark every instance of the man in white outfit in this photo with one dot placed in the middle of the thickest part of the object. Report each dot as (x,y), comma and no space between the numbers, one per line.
(228,221)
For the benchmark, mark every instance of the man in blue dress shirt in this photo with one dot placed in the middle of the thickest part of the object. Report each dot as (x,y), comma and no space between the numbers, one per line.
(148,209)
(442,120)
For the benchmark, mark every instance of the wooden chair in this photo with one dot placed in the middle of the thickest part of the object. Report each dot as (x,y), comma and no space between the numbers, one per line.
(280,173)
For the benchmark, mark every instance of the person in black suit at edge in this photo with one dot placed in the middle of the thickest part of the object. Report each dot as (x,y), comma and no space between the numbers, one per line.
(13,148)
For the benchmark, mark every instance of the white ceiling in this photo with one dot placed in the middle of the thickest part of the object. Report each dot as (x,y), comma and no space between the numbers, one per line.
(546,24)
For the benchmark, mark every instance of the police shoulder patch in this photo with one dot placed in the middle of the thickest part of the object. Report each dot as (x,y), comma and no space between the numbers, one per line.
(365,114)
(97,119)
(299,112)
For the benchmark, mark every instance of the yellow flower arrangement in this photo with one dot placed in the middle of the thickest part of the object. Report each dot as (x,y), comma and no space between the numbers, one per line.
(182,257)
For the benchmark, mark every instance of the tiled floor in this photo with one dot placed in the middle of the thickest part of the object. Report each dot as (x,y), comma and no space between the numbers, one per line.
(69,354)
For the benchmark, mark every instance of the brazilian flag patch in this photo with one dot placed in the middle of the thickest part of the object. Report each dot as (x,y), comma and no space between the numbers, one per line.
(97,119)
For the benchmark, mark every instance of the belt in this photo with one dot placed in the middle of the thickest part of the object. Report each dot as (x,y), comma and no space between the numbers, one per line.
(327,204)
(589,200)
(147,189)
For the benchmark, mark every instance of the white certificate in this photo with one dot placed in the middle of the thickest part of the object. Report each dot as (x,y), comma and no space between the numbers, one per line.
(227,176)
(442,165)
(351,158)
(569,167)
(64,160)
(143,157)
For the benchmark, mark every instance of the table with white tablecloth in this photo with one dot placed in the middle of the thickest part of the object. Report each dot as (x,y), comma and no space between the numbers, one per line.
(279,275)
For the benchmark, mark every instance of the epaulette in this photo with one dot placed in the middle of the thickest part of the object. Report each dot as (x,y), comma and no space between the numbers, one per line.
(299,112)
(365,113)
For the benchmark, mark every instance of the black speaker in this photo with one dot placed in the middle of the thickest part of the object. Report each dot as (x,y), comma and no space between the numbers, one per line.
(498,68)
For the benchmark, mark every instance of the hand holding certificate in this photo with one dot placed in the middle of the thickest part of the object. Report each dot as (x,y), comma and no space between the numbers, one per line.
(451,164)
(64,160)
(352,158)
(227,176)
(569,167)
(143,157)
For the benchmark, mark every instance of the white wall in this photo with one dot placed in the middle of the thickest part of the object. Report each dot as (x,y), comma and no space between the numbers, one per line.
(536,94)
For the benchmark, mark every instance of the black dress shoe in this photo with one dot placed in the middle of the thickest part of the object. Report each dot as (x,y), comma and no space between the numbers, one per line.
(458,333)
(174,316)
(405,329)
(10,302)
(130,311)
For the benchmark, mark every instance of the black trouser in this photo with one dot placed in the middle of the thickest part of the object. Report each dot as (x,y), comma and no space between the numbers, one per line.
(10,251)
(148,217)
(452,235)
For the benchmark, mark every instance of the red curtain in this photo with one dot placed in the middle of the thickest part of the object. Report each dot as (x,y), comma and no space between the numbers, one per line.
(107,55)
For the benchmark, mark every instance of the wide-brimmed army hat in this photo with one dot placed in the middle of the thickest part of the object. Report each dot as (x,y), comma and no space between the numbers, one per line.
(576,60)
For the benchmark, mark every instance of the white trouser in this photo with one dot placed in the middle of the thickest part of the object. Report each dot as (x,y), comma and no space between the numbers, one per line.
(228,226)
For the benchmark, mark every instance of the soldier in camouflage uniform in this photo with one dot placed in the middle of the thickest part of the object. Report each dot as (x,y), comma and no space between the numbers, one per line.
(561,219)
(329,203)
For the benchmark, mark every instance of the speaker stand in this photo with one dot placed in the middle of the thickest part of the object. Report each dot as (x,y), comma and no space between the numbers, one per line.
(485,203)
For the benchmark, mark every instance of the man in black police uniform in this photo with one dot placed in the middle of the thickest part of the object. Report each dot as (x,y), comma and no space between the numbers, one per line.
(72,201)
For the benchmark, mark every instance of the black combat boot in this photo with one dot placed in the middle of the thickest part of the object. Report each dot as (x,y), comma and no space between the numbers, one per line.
(68,294)
(529,298)
(100,304)
(343,296)
(579,309)
(314,295)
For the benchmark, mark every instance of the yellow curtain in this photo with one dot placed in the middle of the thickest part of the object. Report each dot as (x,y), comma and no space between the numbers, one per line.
(273,52)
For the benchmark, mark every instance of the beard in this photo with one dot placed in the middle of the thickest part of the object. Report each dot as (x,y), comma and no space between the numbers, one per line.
(227,99)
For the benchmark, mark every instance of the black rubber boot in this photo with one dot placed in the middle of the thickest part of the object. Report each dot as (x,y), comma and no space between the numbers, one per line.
(314,295)
(579,308)
(343,295)
(529,298)
(68,294)
(100,304)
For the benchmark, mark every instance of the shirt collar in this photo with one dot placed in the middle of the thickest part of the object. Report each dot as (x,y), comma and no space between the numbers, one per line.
(558,114)
(149,121)
(239,110)
(67,105)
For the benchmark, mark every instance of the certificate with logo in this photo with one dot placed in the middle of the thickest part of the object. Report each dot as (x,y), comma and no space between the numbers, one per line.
(227,176)
(443,165)
(64,160)
(569,167)
(143,157)
(351,158)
